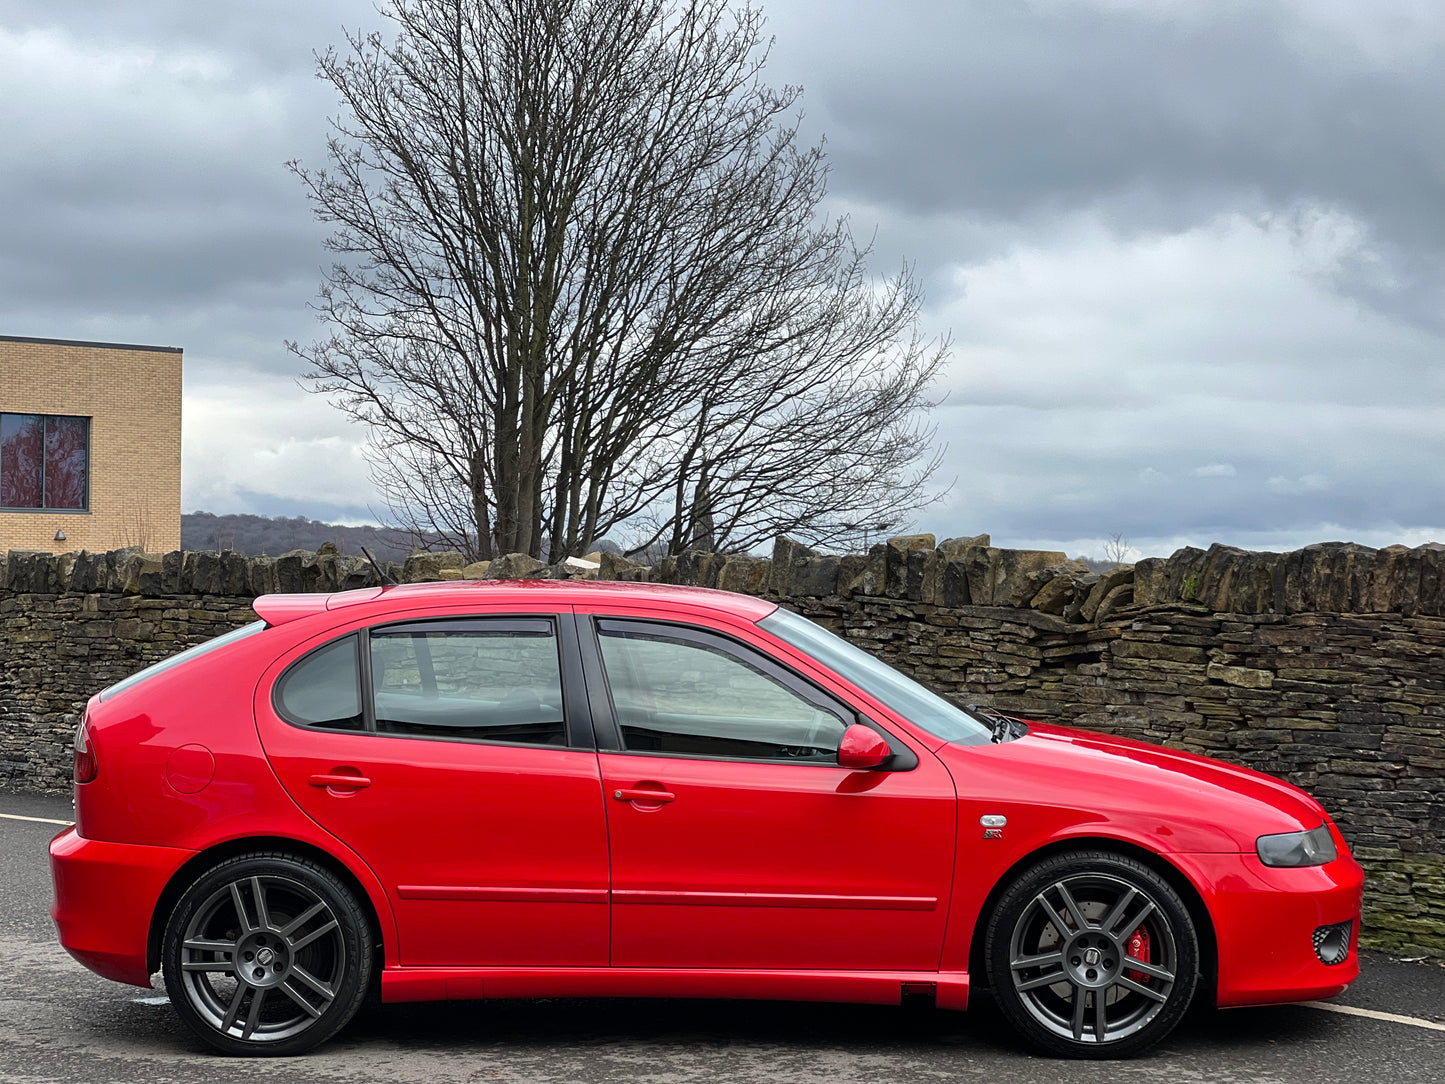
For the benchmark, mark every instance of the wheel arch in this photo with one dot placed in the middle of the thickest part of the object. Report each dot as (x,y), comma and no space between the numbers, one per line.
(1188,892)
(195,866)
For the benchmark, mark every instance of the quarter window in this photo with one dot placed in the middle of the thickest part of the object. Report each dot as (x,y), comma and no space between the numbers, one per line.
(44,462)
(324,688)
(686,695)
(480,681)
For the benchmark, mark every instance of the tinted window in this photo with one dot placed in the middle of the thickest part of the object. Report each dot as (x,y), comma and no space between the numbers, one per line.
(471,683)
(678,695)
(324,688)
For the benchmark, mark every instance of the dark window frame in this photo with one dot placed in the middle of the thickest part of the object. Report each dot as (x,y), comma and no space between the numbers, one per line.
(563,633)
(604,715)
(84,509)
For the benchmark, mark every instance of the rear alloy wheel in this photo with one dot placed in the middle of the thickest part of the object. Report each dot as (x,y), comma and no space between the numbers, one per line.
(1092,955)
(267,955)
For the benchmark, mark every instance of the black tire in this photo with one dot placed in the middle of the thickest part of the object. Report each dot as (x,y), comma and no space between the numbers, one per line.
(267,955)
(1074,917)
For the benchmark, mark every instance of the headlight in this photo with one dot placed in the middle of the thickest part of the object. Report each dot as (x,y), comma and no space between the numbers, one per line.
(1313,848)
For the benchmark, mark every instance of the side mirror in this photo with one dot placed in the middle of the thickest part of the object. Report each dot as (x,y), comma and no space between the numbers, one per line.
(862,748)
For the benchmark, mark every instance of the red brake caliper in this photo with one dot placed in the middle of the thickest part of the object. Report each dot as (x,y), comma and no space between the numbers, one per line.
(1139,950)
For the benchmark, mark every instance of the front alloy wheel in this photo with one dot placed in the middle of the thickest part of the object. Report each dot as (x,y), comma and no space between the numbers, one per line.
(267,954)
(1092,955)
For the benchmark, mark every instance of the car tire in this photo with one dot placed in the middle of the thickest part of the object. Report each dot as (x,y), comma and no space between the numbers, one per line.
(267,955)
(1116,939)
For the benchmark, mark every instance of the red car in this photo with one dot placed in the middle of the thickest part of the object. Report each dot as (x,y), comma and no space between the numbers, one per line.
(559,789)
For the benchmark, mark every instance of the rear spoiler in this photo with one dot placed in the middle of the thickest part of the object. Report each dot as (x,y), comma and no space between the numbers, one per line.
(279,609)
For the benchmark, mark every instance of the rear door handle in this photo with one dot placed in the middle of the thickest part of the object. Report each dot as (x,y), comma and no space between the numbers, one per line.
(643,794)
(328,779)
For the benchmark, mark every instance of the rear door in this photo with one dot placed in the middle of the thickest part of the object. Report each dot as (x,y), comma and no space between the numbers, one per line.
(452,755)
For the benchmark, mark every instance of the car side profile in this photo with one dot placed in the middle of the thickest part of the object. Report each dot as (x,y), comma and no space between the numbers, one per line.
(512,790)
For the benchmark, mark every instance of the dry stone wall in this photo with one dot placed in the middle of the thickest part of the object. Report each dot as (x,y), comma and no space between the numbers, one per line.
(1325,666)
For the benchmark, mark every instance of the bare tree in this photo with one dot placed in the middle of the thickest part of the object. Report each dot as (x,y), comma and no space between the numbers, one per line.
(583,286)
(1117,550)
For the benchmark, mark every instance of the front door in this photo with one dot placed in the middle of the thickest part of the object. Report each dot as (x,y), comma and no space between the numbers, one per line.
(443,752)
(737,841)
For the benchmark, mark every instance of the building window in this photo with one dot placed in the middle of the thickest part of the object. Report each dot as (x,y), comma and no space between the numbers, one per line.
(44,462)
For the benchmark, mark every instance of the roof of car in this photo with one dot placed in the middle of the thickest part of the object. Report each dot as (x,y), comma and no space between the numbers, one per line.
(278,609)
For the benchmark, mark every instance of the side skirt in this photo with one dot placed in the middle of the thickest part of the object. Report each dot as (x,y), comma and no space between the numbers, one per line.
(950,989)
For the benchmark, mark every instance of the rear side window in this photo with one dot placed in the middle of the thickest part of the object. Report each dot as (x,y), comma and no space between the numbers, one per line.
(324,688)
(479,681)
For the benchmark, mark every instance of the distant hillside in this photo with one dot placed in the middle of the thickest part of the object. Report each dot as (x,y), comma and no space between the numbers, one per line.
(261,536)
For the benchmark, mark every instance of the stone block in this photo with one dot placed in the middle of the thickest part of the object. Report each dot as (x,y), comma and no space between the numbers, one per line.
(144,573)
(290,571)
(1146,649)
(863,575)
(816,577)
(21,570)
(1055,594)
(421,566)
(1242,676)
(1107,581)
(994,574)
(85,572)
(511,566)
(744,575)
(953,548)
(689,564)
(802,572)
(904,570)
(953,589)
(616,567)
(261,576)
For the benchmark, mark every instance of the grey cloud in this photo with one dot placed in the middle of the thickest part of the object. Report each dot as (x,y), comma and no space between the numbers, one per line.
(1027,111)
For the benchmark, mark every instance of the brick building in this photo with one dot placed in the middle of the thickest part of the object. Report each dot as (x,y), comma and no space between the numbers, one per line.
(90,445)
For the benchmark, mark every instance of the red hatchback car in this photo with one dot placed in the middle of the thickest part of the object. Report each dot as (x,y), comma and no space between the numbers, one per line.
(559,789)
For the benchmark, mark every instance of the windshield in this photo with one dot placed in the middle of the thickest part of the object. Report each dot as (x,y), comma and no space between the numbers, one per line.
(185,656)
(897,691)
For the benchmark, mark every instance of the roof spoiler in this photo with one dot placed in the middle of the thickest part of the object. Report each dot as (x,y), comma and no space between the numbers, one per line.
(279,609)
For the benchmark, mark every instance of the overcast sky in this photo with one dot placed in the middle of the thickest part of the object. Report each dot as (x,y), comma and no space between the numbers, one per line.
(1191,252)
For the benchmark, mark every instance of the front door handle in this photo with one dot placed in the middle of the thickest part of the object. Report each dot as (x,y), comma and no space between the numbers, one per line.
(339,780)
(643,794)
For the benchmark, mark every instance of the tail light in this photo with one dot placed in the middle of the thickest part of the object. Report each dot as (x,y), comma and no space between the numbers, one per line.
(85,766)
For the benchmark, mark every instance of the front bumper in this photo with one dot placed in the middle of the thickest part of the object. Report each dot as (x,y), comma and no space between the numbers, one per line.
(1265,920)
(105,897)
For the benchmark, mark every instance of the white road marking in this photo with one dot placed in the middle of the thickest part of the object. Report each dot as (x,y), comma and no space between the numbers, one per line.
(35,820)
(1388,1017)
(151,1000)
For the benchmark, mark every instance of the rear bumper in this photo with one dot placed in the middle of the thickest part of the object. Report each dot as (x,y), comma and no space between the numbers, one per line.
(105,896)
(1265,919)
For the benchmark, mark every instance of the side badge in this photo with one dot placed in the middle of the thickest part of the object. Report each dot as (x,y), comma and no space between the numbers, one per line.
(993,825)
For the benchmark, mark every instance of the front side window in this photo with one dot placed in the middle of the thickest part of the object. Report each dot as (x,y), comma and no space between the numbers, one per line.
(44,462)
(897,691)
(492,681)
(684,695)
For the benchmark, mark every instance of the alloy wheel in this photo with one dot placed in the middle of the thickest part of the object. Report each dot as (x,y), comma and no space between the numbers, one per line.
(1093,958)
(262,958)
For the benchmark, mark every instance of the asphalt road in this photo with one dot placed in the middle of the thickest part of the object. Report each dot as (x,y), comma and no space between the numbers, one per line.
(58,1022)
